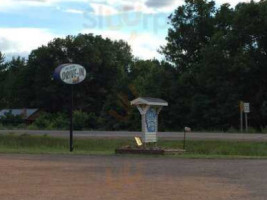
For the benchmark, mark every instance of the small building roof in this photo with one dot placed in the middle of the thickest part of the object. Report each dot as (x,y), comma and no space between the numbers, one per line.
(26,113)
(149,101)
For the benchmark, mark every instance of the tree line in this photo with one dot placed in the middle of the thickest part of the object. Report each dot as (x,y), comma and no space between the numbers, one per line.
(214,58)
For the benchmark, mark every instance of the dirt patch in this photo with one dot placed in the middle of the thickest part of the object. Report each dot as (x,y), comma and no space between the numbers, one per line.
(41,179)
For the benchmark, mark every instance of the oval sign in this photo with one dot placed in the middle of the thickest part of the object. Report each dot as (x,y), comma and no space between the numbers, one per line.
(70,73)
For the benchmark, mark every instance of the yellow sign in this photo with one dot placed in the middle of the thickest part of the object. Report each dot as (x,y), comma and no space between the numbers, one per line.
(138,141)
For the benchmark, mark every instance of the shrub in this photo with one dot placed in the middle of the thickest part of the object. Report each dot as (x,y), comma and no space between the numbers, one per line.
(42,121)
(80,120)
(11,120)
(59,121)
(51,121)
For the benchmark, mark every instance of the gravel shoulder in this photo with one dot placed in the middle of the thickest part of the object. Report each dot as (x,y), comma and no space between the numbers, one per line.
(64,177)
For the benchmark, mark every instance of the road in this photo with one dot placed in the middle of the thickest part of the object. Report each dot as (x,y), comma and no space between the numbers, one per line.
(161,135)
(68,177)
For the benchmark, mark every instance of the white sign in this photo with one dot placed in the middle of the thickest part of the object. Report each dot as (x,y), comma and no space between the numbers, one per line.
(246,108)
(187,129)
(70,73)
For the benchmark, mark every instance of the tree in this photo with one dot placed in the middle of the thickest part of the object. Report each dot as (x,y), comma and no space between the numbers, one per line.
(219,66)
(11,79)
(2,76)
(192,26)
(234,63)
(105,61)
(2,58)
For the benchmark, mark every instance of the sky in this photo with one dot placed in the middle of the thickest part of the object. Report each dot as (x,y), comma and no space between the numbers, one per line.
(28,24)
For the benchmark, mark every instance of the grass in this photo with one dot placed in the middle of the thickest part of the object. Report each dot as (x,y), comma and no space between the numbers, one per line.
(195,149)
(44,144)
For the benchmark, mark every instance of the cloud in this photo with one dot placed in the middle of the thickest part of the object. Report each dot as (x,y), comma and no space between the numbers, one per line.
(159,3)
(6,44)
(21,41)
(233,2)
(144,45)
(7,5)
(74,11)
(103,9)
(115,7)
(110,7)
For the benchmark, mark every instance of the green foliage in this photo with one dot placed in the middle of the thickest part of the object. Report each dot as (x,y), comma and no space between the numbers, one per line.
(216,56)
(51,121)
(11,120)
(80,120)
(60,121)
(220,59)
(105,62)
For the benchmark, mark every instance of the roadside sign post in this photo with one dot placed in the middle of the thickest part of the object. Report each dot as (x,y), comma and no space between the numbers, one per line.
(241,115)
(71,119)
(246,111)
(246,121)
(71,74)
(186,129)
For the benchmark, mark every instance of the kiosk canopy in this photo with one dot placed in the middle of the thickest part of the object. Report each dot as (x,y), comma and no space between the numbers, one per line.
(149,101)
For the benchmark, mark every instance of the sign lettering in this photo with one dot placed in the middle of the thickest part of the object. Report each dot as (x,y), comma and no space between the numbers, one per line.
(70,73)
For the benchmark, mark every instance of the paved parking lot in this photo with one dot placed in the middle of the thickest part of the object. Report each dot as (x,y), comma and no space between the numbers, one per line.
(67,177)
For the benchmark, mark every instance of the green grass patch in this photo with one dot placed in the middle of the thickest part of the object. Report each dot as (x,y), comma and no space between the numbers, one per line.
(223,148)
(195,149)
(44,144)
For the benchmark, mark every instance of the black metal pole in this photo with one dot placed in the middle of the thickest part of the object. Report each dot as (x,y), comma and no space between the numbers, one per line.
(184,138)
(71,120)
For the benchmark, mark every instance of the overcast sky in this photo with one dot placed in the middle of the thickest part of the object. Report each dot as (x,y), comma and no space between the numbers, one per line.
(28,24)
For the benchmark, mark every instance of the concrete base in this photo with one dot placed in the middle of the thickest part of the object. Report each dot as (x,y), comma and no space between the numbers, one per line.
(149,151)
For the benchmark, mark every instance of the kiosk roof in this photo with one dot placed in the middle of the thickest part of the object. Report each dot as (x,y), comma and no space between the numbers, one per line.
(149,101)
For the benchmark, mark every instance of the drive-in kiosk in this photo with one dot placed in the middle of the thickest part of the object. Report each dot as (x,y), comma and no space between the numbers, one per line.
(149,109)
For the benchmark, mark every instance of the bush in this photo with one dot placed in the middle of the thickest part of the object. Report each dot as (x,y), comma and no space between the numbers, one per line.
(42,121)
(11,120)
(81,120)
(92,121)
(59,121)
(51,121)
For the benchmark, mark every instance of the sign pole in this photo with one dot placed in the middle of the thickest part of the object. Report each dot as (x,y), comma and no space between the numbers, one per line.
(241,121)
(241,116)
(184,137)
(71,74)
(71,119)
(246,111)
(246,119)
(186,129)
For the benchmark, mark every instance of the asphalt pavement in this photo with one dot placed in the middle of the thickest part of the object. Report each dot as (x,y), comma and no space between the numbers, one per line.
(161,135)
